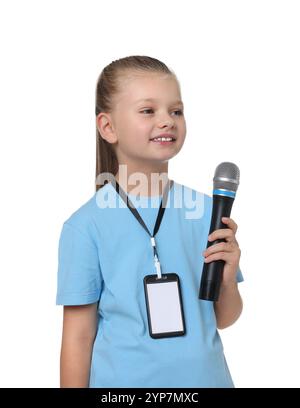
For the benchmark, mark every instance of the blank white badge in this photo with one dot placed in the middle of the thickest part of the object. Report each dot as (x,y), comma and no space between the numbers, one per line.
(164,307)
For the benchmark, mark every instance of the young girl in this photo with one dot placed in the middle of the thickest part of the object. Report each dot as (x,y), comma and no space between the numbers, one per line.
(105,253)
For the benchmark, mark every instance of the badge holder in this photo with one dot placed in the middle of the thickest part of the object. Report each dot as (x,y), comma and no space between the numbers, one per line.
(164,303)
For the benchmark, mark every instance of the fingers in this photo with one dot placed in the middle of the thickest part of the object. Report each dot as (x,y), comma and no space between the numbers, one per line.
(225,233)
(222,246)
(225,256)
(228,252)
(231,224)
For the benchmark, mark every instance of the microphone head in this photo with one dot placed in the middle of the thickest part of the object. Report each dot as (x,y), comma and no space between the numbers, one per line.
(227,177)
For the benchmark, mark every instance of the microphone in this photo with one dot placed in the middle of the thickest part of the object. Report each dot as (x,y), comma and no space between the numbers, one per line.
(226,181)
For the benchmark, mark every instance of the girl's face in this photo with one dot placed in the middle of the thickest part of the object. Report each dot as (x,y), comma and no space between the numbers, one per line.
(137,120)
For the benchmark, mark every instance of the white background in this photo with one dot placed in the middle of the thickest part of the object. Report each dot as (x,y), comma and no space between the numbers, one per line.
(238,65)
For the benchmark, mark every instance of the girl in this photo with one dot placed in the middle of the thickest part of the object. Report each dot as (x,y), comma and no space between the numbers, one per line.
(104,253)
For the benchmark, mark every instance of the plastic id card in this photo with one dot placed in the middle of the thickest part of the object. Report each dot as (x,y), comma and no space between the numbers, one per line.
(164,306)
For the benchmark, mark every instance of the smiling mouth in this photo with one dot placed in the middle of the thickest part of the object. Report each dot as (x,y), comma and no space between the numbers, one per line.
(163,139)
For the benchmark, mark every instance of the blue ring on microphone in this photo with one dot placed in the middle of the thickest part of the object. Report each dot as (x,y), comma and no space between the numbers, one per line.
(226,193)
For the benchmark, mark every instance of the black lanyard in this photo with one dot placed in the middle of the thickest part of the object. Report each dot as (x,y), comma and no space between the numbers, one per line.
(136,214)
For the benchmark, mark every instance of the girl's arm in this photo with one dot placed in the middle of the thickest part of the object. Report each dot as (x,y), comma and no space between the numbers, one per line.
(79,330)
(229,306)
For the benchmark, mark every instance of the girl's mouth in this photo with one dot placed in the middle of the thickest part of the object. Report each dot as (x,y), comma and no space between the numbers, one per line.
(163,140)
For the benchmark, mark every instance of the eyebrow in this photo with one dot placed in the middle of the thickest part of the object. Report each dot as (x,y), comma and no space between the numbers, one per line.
(155,100)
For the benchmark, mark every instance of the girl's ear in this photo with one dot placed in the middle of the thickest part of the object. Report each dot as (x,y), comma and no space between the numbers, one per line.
(105,127)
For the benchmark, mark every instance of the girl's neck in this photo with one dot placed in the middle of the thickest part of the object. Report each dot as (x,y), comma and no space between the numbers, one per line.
(143,181)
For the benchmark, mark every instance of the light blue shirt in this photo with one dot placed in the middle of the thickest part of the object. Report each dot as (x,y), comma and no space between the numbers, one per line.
(104,254)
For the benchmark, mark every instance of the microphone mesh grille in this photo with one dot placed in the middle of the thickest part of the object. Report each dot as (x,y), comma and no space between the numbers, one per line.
(227,176)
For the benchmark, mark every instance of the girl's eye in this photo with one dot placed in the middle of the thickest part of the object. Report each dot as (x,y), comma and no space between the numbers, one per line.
(179,112)
(147,110)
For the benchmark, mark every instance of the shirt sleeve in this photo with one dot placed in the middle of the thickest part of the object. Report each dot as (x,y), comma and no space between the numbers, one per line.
(79,278)
(239,275)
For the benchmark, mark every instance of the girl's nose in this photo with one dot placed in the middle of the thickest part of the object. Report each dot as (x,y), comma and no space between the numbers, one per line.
(167,122)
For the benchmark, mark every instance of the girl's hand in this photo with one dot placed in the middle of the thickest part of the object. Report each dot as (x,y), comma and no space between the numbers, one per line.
(228,251)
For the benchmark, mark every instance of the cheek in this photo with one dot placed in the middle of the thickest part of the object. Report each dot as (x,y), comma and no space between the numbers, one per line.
(140,123)
(128,127)
(141,130)
(134,134)
(184,131)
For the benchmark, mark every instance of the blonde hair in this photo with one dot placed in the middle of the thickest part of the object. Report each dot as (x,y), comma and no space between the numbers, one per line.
(108,86)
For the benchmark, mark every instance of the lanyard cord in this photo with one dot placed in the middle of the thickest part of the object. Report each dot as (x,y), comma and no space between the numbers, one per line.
(159,217)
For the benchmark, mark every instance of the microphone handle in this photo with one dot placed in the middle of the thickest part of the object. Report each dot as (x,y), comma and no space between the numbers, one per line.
(212,272)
